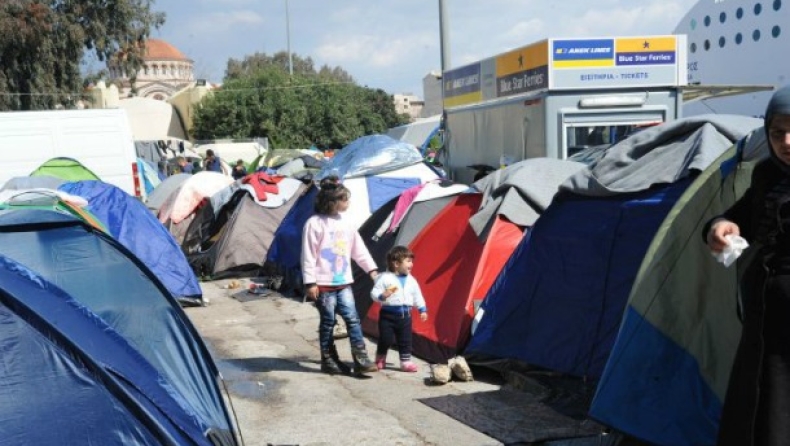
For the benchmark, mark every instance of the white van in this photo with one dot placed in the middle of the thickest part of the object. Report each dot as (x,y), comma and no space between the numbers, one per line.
(100,139)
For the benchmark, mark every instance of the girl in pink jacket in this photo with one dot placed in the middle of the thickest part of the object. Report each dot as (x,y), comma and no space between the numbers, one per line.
(329,243)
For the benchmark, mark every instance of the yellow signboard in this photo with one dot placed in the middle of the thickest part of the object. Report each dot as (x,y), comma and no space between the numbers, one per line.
(523,59)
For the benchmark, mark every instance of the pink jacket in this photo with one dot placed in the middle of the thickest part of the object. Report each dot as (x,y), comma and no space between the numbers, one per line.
(329,242)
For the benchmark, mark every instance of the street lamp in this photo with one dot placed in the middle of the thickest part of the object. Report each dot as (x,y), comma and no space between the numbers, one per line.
(288,40)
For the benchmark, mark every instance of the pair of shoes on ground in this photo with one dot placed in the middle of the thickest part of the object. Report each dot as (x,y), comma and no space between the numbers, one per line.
(405,366)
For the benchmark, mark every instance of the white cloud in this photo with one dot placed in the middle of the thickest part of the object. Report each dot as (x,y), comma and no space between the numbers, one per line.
(657,17)
(526,31)
(376,50)
(222,22)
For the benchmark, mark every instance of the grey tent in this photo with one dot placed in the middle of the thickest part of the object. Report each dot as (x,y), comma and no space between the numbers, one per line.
(234,240)
(165,189)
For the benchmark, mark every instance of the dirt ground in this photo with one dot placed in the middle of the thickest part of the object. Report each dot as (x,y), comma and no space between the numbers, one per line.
(267,350)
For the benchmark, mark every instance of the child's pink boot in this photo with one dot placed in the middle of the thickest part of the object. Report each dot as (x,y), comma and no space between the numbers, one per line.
(381,361)
(408,366)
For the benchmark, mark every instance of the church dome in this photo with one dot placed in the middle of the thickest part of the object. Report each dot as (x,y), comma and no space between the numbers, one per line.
(156,49)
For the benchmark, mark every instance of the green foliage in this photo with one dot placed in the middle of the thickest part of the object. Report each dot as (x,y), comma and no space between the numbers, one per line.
(42,43)
(323,107)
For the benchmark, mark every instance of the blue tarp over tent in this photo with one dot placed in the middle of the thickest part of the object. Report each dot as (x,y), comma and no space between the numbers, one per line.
(559,301)
(153,343)
(132,224)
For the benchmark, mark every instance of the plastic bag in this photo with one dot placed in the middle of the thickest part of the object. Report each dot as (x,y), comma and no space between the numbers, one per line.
(735,246)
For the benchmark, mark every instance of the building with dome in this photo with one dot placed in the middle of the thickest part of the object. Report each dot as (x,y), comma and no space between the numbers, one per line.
(165,71)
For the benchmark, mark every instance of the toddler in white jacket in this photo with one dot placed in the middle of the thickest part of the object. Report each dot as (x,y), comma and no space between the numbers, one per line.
(398,292)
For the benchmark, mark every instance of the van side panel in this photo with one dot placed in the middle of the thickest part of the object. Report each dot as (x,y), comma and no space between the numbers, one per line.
(99,139)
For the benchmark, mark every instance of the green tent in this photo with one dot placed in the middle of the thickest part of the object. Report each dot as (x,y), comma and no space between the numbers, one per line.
(67,169)
(668,372)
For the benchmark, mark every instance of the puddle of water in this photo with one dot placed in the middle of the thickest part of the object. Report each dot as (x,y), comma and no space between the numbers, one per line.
(245,384)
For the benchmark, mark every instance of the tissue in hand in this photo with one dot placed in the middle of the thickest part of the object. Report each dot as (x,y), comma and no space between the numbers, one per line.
(735,246)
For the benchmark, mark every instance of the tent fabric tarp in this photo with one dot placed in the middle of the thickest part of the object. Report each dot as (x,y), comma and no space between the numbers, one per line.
(558,302)
(157,197)
(183,202)
(238,241)
(149,175)
(564,291)
(686,145)
(138,230)
(568,282)
(67,169)
(370,192)
(418,133)
(70,378)
(521,191)
(118,290)
(370,155)
(680,326)
(286,247)
(40,181)
(379,237)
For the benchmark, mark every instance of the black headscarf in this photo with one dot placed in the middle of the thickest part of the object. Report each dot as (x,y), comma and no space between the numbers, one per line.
(778,105)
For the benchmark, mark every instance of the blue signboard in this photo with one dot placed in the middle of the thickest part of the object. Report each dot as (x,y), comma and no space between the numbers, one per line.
(462,80)
(570,51)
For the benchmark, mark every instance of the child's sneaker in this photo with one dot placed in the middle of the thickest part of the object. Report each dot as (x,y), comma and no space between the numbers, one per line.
(408,366)
(381,362)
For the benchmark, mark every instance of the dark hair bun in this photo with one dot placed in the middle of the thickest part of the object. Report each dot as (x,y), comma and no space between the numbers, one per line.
(330,182)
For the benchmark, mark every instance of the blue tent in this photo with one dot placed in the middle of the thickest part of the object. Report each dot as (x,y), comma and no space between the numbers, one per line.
(559,301)
(592,291)
(110,314)
(132,224)
(286,248)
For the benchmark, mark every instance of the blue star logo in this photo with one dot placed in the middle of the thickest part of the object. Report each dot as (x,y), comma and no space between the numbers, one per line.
(646,45)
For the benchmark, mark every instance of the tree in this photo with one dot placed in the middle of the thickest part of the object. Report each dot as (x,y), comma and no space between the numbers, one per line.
(42,43)
(323,107)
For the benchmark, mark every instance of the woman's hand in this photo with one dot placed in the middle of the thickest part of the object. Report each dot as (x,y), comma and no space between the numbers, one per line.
(717,233)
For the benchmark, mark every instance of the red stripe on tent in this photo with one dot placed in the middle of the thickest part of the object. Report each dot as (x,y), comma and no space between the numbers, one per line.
(502,240)
(446,253)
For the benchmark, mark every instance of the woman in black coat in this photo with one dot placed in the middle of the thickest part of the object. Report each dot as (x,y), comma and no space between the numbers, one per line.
(757,405)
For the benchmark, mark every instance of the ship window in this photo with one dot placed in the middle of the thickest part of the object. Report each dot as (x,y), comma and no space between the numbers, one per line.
(739,13)
(775,31)
(723,17)
(738,38)
(693,24)
(756,35)
(722,42)
(777,5)
(693,47)
(707,20)
(707,44)
(758,8)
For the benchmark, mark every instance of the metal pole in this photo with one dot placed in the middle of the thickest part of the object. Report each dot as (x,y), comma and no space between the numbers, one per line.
(288,40)
(444,37)
(444,45)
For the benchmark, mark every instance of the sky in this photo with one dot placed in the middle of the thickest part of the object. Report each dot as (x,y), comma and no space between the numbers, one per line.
(393,44)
